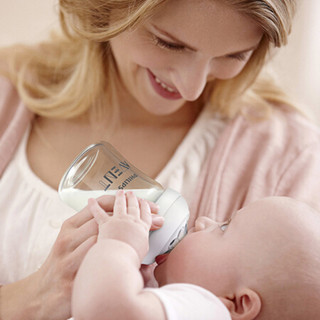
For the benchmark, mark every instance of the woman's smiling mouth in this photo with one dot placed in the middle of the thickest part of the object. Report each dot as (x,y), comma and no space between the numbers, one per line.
(162,88)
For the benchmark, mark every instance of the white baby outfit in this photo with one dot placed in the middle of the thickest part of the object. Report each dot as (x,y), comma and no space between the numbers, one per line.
(183,301)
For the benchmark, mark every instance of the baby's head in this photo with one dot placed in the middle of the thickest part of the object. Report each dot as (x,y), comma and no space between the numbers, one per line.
(263,265)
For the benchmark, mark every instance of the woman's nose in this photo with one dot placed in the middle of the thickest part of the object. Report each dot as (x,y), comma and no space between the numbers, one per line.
(191,78)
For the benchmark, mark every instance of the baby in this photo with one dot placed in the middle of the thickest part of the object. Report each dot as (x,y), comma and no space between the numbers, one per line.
(262,264)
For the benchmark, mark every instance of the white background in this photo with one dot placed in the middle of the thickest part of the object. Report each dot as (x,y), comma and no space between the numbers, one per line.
(297,65)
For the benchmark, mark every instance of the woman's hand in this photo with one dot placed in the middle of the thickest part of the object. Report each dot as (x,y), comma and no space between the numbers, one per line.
(46,294)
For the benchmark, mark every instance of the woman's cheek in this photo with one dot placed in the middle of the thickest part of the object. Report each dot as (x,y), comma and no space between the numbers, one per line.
(228,70)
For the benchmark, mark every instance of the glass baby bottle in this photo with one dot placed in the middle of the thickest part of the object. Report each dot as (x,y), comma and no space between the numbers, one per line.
(100,169)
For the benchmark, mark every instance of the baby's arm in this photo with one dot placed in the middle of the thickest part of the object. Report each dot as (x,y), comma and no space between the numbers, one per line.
(108,284)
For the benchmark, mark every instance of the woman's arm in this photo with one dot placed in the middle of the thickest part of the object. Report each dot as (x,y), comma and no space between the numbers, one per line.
(109,284)
(46,294)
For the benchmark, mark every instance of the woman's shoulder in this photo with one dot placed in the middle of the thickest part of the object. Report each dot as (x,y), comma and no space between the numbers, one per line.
(9,100)
(285,127)
(294,119)
(273,143)
(11,105)
(5,83)
(7,90)
(14,119)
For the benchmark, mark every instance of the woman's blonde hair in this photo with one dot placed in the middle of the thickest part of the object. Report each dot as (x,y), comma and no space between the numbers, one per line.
(74,71)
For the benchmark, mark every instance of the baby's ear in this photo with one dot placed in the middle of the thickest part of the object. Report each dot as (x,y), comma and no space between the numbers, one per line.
(244,305)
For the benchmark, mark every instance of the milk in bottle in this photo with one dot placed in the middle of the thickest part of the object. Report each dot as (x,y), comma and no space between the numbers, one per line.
(100,169)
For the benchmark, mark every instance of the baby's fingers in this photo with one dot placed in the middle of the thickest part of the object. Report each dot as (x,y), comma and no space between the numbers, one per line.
(120,203)
(98,213)
(133,205)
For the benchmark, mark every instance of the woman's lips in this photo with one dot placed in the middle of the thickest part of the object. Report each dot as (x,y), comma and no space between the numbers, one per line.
(162,88)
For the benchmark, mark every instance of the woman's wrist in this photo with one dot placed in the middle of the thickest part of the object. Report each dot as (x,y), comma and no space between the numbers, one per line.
(19,300)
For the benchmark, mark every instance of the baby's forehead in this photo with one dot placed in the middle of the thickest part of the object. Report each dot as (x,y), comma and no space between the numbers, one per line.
(265,211)
(270,205)
(286,211)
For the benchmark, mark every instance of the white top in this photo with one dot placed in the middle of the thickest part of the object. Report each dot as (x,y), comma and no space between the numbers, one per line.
(32,212)
(183,301)
(30,219)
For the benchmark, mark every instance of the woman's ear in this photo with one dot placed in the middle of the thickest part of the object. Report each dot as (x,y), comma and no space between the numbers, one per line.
(244,305)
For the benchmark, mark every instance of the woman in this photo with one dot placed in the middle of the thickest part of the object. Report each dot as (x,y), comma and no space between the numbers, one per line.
(177,87)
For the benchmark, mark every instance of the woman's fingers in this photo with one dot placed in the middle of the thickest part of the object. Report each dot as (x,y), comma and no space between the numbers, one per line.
(156,222)
(86,231)
(79,218)
(153,207)
(98,213)
(106,202)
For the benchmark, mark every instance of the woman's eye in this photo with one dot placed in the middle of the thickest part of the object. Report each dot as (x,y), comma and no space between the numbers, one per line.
(239,56)
(168,45)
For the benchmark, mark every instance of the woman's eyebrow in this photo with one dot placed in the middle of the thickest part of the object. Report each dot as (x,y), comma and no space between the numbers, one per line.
(179,42)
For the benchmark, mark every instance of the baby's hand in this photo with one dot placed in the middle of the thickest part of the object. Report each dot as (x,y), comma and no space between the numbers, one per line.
(130,222)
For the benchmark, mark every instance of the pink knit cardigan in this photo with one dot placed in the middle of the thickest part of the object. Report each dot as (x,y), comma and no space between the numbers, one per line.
(279,156)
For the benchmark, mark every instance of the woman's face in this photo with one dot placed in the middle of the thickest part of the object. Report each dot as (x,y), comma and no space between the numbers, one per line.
(168,60)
